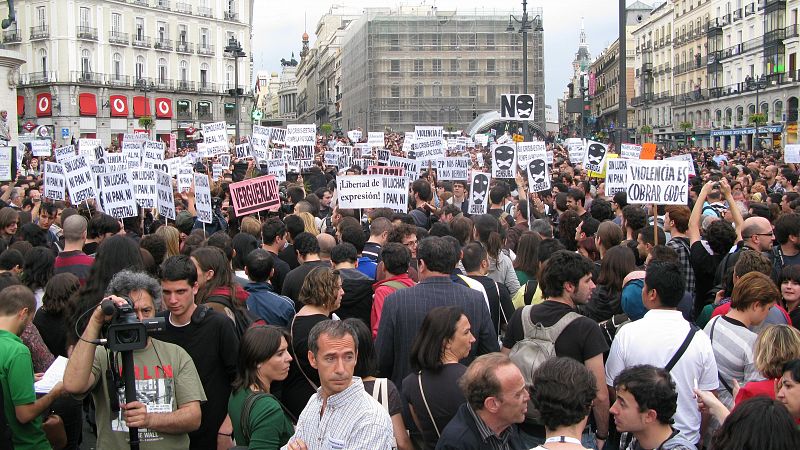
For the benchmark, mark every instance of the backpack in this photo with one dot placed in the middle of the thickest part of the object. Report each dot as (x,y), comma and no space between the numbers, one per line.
(394,284)
(716,211)
(535,348)
(242,317)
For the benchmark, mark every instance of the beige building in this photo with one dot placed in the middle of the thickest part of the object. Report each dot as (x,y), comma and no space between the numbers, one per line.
(421,66)
(94,67)
(266,93)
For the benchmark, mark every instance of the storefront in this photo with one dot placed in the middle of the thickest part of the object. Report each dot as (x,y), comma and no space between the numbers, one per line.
(743,138)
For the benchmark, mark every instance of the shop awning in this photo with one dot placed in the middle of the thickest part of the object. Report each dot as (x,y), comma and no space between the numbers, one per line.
(88,104)
(141,106)
(118,105)
(20,105)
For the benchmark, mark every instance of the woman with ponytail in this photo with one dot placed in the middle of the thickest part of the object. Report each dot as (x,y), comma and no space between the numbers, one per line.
(501,268)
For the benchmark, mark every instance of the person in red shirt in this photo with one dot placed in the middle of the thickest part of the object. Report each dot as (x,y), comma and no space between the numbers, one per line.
(395,259)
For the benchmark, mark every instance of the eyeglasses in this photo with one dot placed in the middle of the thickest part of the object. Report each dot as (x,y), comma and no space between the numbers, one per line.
(411,244)
(759,234)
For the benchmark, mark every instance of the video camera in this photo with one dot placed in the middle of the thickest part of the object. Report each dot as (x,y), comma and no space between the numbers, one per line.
(126,332)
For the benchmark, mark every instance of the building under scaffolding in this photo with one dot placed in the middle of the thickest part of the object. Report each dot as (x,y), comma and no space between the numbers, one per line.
(420,66)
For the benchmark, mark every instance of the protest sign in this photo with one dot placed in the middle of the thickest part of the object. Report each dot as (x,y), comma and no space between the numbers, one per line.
(346,159)
(376,139)
(424,133)
(254,195)
(144,187)
(504,160)
(394,190)
(79,179)
(479,193)
(113,158)
(225,161)
(116,195)
(54,183)
(131,137)
(359,191)
(595,156)
(153,155)
(538,173)
(216,171)
(517,106)
(215,138)
(332,158)
(259,141)
(382,156)
(659,182)
(616,176)
(277,168)
(428,149)
(408,144)
(526,151)
(648,151)
(686,157)
(479,160)
(454,169)
(243,151)
(364,150)
(41,147)
(202,198)
(5,163)
(482,139)
(166,200)
(301,135)
(185,178)
(133,152)
(630,151)
(354,135)
(576,149)
(92,148)
(277,135)
(386,170)
(65,152)
(411,166)
(302,152)
(791,153)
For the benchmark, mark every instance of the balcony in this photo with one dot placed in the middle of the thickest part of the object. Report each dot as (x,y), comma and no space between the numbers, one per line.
(773,5)
(163,45)
(38,78)
(87,33)
(86,77)
(184,86)
(232,16)
(141,41)
(164,84)
(184,8)
(40,32)
(119,80)
(140,2)
(207,50)
(204,11)
(207,88)
(118,38)
(184,47)
(12,37)
(162,4)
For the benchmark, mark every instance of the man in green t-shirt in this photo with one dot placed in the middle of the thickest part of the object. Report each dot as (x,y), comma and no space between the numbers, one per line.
(168,388)
(22,409)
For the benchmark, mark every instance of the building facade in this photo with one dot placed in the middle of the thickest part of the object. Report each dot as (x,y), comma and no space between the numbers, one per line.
(420,66)
(573,124)
(95,67)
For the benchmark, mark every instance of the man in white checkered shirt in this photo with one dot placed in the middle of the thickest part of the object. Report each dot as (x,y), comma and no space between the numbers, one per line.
(341,415)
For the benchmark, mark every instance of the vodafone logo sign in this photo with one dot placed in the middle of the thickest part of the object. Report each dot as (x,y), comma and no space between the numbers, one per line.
(119,105)
(43,105)
(163,108)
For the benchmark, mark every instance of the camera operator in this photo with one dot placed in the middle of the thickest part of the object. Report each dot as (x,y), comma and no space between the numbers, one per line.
(166,378)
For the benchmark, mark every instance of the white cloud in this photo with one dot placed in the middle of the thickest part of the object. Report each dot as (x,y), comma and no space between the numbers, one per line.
(278,27)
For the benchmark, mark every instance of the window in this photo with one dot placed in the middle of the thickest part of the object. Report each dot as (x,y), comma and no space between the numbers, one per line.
(490,66)
(86,61)
(85,19)
(778,111)
(418,65)
(395,91)
(139,29)
(455,91)
(41,16)
(140,67)
(184,67)
(116,22)
(203,75)
(162,70)
(229,76)
(739,114)
(204,109)
(473,91)
(453,42)
(491,93)
(204,37)
(116,66)
(182,34)
(394,65)
(515,65)
(43,60)
(472,41)
(454,65)
(473,66)
(490,42)
(419,90)
(232,6)
(437,65)
(437,89)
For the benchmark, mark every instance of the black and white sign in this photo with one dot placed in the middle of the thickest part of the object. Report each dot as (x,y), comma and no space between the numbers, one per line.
(332,158)
(576,149)
(133,152)
(202,198)
(243,151)
(302,152)
(504,160)
(616,176)
(166,200)
(79,179)
(686,157)
(376,139)
(382,156)
(63,153)
(215,138)
(144,187)
(428,149)
(659,182)
(54,183)
(791,153)
(479,193)
(354,135)
(538,173)
(411,166)
(41,147)
(595,156)
(116,195)
(517,106)
(153,155)
(92,148)
(526,151)
(453,168)
(630,151)
(185,178)
(427,132)
(301,135)
(277,135)
(5,163)
(260,141)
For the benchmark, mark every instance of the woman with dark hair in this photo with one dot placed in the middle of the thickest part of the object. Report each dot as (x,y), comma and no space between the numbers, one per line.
(568,222)
(381,389)
(432,393)
(321,294)
(57,306)
(259,421)
(759,422)
(790,292)
(526,265)
(9,222)
(32,233)
(38,268)
(501,269)
(605,301)
(216,286)
(462,228)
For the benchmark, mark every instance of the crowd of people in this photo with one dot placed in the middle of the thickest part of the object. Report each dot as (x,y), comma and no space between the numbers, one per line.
(561,319)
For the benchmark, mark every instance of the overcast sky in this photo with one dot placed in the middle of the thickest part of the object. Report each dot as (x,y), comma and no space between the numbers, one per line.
(278,26)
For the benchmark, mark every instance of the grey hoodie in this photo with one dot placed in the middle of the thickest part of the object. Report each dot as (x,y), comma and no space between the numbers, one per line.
(676,442)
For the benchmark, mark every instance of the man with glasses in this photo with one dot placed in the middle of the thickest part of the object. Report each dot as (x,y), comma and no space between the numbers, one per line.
(756,234)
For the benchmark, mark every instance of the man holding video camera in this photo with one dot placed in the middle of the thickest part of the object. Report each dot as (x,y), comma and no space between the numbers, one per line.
(168,387)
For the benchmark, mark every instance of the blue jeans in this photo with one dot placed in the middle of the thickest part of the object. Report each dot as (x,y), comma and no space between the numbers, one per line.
(531,441)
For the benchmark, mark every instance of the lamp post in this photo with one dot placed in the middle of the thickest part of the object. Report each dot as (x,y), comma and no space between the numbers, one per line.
(758,85)
(146,87)
(234,48)
(524,26)
(685,120)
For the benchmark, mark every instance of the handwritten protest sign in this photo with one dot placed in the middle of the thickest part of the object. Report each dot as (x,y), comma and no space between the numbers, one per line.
(428,149)
(688,158)
(132,150)
(79,179)
(648,151)
(144,187)
(363,150)
(92,148)
(526,151)
(616,176)
(202,198)
(166,199)
(411,166)
(254,195)
(354,135)
(5,163)
(215,138)
(116,195)
(427,132)
(54,183)
(260,141)
(376,139)
(359,191)
(791,153)
(576,149)
(394,191)
(65,152)
(630,151)
(453,168)
(185,178)
(302,152)
(277,135)
(301,135)
(277,168)
(382,156)
(41,147)
(332,158)
(243,151)
(479,193)
(659,182)
(153,155)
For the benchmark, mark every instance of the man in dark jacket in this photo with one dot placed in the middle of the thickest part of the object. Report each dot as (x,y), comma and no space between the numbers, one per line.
(357,298)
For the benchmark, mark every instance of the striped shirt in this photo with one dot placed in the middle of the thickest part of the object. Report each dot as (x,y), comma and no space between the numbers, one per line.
(733,349)
(351,419)
(75,262)
(491,440)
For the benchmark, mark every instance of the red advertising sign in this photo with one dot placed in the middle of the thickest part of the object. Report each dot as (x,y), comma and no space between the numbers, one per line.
(44,106)
(119,105)
(255,194)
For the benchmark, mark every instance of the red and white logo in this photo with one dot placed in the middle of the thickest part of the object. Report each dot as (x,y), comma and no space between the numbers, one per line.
(119,105)
(29,126)
(163,108)
(44,105)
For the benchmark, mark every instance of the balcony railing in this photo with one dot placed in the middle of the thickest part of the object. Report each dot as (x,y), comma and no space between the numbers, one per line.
(140,2)
(119,80)
(37,78)
(205,11)
(184,47)
(207,50)
(117,37)
(164,84)
(182,7)
(163,44)
(40,32)
(184,86)
(205,115)
(183,115)
(232,16)
(11,36)
(162,4)
(85,32)
(86,77)
(141,41)
(210,88)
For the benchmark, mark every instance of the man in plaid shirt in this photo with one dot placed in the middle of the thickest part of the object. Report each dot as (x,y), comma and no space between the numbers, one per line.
(676,222)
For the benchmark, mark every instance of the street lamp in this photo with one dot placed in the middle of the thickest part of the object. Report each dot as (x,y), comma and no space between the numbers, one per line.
(146,87)
(758,85)
(234,48)
(524,26)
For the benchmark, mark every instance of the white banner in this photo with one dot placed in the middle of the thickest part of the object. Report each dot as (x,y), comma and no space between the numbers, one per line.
(166,200)
(215,138)
(595,156)
(276,167)
(133,152)
(616,176)
(152,154)
(185,178)
(79,179)
(376,139)
(428,149)
(424,133)
(411,166)
(144,187)
(54,182)
(504,160)
(5,163)
(630,151)
(372,191)
(202,198)
(659,182)
(65,152)
(453,169)
(301,135)
(116,195)
(688,158)
(479,193)
(41,147)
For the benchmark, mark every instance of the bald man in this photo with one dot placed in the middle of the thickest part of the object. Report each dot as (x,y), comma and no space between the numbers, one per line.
(756,233)
(326,243)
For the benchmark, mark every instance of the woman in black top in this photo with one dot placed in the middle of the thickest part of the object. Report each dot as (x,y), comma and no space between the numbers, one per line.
(321,294)
(51,318)
(605,302)
(432,393)
(790,291)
